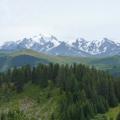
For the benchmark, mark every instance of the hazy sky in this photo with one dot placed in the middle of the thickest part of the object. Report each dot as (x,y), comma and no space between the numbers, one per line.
(66,19)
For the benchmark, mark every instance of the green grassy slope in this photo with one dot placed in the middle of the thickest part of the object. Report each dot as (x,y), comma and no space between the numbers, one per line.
(7,60)
(110,115)
(113,112)
(37,103)
(19,58)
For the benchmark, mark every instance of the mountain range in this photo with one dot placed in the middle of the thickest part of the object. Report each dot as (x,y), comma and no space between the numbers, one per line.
(51,45)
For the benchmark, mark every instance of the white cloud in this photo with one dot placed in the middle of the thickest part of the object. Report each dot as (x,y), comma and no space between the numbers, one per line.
(67,19)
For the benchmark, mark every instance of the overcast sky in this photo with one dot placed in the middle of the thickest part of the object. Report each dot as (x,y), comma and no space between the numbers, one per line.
(66,19)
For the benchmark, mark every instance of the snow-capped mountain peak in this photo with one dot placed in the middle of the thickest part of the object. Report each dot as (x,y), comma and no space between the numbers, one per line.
(51,45)
(38,43)
(42,39)
(96,47)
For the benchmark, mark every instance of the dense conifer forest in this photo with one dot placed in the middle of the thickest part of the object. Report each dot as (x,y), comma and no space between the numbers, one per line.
(83,92)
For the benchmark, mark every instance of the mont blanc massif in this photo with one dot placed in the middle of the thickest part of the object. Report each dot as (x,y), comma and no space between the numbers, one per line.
(51,45)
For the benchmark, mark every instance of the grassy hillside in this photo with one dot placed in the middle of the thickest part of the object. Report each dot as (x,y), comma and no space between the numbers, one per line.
(7,60)
(19,58)
(110,115)
(113,112)
(37,103)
